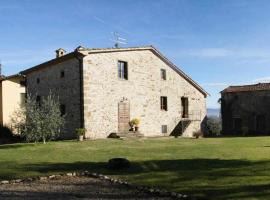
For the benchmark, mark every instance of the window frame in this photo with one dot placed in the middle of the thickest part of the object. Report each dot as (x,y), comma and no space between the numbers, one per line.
(122,70)
(164,129)
(163,74)
(164,103)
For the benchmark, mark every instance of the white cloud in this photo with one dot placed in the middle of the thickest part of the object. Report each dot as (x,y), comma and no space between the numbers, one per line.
(262,80)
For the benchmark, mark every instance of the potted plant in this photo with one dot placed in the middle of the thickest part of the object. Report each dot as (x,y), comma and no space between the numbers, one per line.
(134,123)
(80,132)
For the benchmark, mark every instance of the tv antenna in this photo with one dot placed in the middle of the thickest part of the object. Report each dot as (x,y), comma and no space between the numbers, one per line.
(118,40)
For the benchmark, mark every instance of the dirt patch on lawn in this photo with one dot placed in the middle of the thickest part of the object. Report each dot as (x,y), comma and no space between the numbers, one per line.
(66,187)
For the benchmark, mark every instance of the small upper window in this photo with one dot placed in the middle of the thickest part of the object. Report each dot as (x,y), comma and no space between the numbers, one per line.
(62,74)
(122,70)
(38,80)
(163,103)
(163,74)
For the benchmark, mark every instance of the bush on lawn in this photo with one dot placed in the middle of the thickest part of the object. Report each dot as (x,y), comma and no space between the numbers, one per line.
(213,126)
(198,134)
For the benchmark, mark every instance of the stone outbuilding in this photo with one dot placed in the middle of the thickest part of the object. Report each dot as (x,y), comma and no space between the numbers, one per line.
(245,110)
(103,89)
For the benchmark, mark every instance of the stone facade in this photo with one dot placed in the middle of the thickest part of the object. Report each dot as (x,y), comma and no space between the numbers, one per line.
(102,91)
(245,113)
(67,88)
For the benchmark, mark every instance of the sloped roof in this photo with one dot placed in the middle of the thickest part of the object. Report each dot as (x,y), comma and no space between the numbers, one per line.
(2,77)
(81,51)
(247,88)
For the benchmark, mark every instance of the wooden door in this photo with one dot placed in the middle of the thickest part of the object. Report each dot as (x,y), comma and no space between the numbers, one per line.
(123,117)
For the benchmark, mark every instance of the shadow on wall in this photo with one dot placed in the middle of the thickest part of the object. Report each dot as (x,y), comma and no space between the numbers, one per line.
(7,137)
(203,178)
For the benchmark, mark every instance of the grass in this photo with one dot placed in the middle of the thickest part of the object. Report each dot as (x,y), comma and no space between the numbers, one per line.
(212,168)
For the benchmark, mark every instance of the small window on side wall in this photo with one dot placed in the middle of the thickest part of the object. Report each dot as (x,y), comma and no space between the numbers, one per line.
(122,70)
(163,103)
(163,74)
(62,74)
(164,129)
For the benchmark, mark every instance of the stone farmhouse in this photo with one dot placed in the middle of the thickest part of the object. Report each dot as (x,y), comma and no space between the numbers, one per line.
(245,109)
(12,96)
(103,89)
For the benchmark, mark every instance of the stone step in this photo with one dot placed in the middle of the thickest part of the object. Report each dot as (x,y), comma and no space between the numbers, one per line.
(130,135)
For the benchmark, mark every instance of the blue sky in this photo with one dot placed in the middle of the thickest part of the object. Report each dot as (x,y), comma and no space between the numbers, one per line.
(218,43)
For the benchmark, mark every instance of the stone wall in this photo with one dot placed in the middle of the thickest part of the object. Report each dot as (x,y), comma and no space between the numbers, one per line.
(67,88)
(103,90)
(246,106)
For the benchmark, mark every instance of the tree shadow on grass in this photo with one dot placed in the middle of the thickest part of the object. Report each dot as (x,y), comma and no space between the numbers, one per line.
(203,178)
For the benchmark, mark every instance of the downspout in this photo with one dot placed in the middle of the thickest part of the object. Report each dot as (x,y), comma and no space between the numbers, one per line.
(80,59)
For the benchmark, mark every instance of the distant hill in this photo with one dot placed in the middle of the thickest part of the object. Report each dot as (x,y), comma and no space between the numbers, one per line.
(213,112)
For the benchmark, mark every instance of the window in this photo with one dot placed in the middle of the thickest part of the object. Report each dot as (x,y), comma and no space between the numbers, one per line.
(62,109)
(38,80)
(62,74)
(163,103)
(164,129)
(122,70)
(163,74)
(38,100)
(22,99)
(184,103)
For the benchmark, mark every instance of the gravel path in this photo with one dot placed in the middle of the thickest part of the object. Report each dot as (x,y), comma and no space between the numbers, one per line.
(72,188)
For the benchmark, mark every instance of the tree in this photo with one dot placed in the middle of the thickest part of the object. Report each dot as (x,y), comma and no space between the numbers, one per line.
(43,120)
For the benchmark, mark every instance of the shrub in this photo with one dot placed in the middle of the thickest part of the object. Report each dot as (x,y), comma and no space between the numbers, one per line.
(197,134)
(113,135)
(134,122)
(213,126)
(80,131)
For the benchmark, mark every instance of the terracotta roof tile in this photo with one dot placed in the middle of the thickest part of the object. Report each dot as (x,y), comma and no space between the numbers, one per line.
(247,88)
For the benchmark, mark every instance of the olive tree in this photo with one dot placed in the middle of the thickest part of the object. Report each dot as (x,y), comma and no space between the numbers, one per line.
(43,120)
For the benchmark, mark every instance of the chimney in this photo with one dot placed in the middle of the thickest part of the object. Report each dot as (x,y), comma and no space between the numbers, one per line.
(60,52)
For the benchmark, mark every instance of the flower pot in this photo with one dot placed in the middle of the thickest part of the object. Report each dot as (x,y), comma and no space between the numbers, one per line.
(136,128)
(80,137)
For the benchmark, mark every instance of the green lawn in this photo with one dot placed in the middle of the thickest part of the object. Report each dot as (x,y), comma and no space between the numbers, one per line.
(216,168)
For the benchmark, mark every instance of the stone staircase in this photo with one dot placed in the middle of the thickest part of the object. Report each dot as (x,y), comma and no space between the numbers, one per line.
(130,134)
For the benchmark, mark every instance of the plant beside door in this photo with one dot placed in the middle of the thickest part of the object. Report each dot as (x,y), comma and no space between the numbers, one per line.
(80,132)
(134,123)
